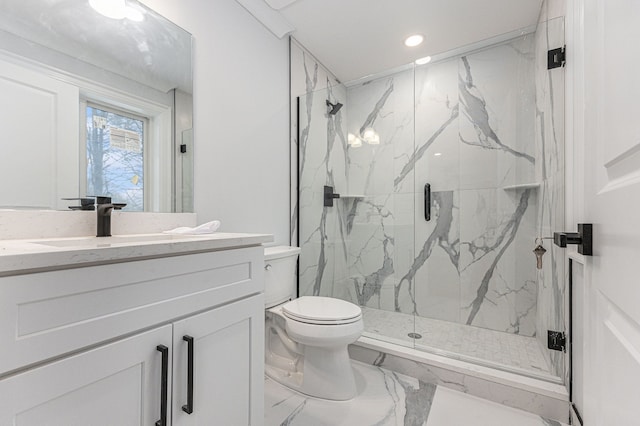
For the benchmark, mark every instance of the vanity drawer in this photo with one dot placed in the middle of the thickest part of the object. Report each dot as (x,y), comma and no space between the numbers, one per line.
(47,314)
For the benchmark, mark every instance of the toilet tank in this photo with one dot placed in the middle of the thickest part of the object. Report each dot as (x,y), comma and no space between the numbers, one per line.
(279,274)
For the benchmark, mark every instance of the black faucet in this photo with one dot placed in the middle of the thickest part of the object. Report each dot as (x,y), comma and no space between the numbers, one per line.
(104,208)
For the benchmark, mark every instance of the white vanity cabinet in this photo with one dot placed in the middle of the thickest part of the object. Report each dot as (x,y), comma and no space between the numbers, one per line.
(84,346)
(115,384)
(228,358)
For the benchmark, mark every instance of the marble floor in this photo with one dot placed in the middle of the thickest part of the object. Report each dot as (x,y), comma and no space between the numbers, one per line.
(496,348)
(385,399)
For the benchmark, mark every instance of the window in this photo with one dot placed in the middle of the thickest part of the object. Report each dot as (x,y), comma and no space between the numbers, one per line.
(115,143)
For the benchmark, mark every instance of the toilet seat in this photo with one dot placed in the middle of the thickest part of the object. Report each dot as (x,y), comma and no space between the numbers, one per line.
(322,311)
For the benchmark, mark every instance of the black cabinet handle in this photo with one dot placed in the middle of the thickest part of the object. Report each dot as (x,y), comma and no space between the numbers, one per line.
(188,407)
(163,385)
(427,202)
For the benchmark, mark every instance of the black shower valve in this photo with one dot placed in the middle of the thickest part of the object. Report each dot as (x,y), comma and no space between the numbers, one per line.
(329,195)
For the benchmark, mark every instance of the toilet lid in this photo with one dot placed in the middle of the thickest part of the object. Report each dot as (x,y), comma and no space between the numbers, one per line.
(320,310)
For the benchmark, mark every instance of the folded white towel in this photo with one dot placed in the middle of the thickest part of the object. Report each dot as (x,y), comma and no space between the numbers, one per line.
(205,228)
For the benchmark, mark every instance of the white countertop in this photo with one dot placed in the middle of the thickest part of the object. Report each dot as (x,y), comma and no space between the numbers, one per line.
(36,255)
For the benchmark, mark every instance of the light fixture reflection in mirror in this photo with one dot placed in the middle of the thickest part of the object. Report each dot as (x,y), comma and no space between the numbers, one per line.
(116,9)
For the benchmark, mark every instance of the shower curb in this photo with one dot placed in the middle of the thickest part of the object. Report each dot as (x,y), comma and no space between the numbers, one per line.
(536,396)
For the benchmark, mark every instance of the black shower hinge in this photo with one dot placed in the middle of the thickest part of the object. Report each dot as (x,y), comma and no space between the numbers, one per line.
(556,340)
(556,57)
(183,148)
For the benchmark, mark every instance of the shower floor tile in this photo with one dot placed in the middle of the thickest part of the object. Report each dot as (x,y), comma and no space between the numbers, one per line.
(390,399)
(494,347)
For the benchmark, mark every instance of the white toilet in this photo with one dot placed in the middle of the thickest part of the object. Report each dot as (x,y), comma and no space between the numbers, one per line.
(306,338)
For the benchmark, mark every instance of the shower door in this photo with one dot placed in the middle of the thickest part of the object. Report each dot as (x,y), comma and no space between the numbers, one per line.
(489,166)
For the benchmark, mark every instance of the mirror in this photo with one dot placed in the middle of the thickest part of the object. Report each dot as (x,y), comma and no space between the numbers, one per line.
(94,105)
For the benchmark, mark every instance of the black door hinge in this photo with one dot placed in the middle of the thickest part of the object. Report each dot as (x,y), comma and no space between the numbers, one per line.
(556,340)
(183,148)
(556,57)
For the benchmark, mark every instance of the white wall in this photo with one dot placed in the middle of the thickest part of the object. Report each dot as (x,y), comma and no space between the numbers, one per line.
(241,116)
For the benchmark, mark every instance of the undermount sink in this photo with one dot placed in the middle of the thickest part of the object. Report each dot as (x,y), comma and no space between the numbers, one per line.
(96,242)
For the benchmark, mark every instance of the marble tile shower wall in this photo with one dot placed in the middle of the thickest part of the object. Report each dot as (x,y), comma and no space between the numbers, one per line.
(474,137)
(473,127)
(320,141)
(307,77)
(381,231)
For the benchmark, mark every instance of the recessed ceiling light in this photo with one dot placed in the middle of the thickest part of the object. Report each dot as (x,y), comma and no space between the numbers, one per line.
(423,61)
(437,154)
(414,40)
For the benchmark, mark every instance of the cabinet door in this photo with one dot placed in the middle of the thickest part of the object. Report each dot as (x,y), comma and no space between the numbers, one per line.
(115,384)
(41,119)
(228,365)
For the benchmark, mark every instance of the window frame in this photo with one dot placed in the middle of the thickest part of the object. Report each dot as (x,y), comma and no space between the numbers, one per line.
(159,161)
(146,121)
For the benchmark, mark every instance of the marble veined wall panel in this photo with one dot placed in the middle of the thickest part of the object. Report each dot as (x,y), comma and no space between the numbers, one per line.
(496,93)
(385,106)
(495,293)
(307,76)
(322,161)
(436,161)
(435,269)
(382,233)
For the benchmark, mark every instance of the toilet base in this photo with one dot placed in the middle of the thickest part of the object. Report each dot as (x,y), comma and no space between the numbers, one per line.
(326,373)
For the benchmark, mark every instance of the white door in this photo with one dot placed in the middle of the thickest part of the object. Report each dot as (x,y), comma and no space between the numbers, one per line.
(115,384)
(228,366)
(40,133)
(606,134)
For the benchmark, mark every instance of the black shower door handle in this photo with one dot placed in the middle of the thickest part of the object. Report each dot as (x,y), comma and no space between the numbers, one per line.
(427,202)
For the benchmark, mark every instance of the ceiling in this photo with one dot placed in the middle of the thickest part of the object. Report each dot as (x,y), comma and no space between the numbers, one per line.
(356,38)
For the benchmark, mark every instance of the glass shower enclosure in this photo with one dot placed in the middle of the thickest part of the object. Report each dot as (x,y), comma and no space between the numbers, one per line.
(448,174)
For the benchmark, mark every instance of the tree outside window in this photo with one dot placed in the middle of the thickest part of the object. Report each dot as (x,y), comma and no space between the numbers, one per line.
(115,156)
